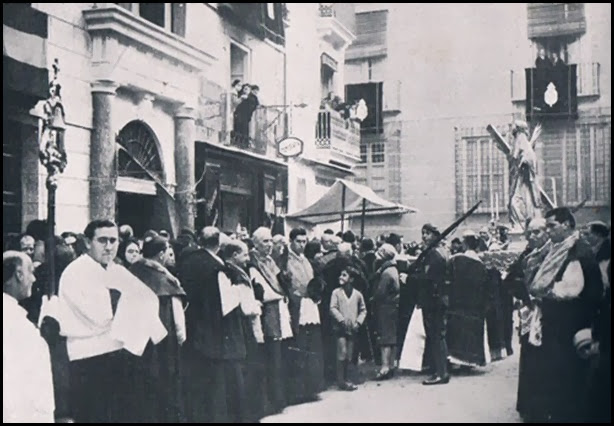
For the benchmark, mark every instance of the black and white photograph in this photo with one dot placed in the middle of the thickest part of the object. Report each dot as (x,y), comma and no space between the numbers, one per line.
(306,212)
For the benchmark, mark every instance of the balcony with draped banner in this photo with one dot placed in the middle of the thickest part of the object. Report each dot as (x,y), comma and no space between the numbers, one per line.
(575,83)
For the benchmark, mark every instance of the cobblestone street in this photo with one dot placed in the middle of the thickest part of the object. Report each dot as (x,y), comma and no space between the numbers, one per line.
(475,396)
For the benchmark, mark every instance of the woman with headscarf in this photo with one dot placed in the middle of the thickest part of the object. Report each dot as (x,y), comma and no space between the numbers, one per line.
(129,252)
(385,298)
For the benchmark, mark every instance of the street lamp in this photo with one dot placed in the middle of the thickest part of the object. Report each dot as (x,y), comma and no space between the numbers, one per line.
(52,155)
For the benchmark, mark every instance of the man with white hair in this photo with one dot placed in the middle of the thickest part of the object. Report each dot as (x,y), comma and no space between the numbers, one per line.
(27,381)
(275,313)
(244,345)
(519,276)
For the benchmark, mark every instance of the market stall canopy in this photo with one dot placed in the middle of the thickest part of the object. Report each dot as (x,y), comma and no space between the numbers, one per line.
(346,198)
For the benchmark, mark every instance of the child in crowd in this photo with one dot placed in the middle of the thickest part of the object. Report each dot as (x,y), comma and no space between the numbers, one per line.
(348,310)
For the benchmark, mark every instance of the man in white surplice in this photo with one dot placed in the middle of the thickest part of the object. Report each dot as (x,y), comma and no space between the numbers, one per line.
(108,317)
(27,383)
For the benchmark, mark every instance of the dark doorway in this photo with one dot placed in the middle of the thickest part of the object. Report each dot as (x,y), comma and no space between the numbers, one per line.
(236,210)
(136,210)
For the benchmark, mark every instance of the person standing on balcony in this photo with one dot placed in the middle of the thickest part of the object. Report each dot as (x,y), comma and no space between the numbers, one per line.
(248,102)
(542,62)
(558,65)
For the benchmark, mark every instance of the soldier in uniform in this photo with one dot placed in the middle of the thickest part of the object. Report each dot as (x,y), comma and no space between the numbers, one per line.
(434,305)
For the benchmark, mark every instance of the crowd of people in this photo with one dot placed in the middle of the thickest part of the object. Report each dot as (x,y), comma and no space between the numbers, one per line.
(211,327)
(356,110)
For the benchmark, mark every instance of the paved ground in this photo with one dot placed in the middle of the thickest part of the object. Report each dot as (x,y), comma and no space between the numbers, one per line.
(477,396)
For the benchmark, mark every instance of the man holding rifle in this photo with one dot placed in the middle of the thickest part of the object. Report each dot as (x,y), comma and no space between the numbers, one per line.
(433,299)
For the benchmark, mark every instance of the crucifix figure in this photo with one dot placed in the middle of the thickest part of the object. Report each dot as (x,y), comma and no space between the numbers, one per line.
(52,152)
(527,198)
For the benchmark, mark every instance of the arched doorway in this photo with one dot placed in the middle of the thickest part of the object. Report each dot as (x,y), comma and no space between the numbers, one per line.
(142,199)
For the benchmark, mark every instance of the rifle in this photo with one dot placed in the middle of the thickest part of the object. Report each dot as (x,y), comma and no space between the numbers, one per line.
(414,266)
(579,206)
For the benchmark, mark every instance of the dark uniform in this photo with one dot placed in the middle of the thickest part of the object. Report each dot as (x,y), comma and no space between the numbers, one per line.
(433,299)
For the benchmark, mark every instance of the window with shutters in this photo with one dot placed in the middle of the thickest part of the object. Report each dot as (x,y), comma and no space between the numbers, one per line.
(555,19)
(170,16)
(481,174)
(371,35)
(586,155)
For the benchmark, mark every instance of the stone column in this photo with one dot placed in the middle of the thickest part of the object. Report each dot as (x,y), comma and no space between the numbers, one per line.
(102,152)
(185,134)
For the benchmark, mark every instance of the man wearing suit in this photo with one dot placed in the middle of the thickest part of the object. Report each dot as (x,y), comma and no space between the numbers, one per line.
(215,344)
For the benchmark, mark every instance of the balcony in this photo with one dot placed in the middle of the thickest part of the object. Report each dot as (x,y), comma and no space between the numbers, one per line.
(337,139)
(109,21)
(215,125)
(122,42)
(588,81)
(336,24)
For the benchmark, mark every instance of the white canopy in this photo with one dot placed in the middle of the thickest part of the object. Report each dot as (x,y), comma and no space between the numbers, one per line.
(348,199)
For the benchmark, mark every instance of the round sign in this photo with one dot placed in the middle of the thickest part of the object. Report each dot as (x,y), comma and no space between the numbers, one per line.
(290,147)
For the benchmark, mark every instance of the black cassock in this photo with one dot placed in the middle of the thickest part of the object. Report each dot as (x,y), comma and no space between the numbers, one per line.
(161,363)
(466,315)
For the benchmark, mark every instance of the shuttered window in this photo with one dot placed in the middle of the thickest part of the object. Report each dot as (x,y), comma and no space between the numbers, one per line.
(481,174)
(371,35)
(555,19)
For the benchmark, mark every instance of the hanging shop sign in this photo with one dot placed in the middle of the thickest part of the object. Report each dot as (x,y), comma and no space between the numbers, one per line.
(290,147)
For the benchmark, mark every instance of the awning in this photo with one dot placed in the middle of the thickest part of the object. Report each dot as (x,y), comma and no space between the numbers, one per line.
(348,198)
(24,50)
